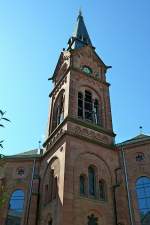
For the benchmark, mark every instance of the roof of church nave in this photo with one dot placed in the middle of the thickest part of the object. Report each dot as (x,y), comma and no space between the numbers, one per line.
(28,154)
(135,140)
(141,138)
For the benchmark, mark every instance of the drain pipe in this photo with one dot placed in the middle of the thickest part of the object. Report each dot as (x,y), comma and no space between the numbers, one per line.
(38,201)
(127,185)
(30,192)
(117,185)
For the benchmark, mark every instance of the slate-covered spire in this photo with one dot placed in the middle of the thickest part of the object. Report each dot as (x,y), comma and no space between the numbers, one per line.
(80,36)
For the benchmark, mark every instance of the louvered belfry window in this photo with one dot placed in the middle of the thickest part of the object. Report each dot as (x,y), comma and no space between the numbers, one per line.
(88,108)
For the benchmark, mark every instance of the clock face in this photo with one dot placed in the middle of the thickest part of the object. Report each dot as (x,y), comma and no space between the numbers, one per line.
(87,69)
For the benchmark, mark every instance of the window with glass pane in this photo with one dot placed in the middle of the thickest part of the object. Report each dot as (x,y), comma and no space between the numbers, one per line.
(140,156)
(58,111)
(61,116)
(15,208)
(91,181)
(96,114)
(88,106)
(82,185)
(143,197)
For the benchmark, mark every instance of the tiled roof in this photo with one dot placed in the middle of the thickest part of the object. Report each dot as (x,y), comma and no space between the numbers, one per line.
(136,139)
(27,154)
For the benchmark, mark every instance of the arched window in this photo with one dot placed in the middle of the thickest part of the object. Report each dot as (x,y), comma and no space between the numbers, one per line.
(50,222)
(92,220)
(102,190)
(58,112)
(88,108)
(82,185)
(92,181)
(143,197)
(15,208)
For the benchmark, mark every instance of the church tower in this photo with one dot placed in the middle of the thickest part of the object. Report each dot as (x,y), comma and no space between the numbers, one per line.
(80,158)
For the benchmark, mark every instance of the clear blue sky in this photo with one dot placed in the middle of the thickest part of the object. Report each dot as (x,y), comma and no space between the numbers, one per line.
(32,34)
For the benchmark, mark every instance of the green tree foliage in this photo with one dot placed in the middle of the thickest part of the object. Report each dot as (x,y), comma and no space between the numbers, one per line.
(3,196)
(3,193)
(2,121)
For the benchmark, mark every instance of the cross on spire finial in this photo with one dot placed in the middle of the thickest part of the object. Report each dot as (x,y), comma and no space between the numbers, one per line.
(39,144)
(80,12)
(141,130)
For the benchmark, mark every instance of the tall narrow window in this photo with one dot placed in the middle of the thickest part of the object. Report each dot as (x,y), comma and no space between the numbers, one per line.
(95,111)
(16,208)
(82,185)
(88,106)
(143,197)
(61,110)
(57,115)
(58,112)
(50,222)
(80,105)
(102,190)
(92,180)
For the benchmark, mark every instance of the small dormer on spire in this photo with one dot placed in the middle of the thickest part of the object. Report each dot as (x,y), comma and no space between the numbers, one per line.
(80,35)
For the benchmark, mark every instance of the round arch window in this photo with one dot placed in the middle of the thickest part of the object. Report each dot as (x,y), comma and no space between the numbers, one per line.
(15,208)
(143,198)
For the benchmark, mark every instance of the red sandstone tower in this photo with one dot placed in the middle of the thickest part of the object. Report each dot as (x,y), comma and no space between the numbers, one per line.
(80,150)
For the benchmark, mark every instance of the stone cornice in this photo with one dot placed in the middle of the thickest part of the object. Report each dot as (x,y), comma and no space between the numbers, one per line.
(92,126)
(82,130)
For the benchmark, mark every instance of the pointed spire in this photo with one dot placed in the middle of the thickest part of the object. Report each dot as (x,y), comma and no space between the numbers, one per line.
(80,36)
